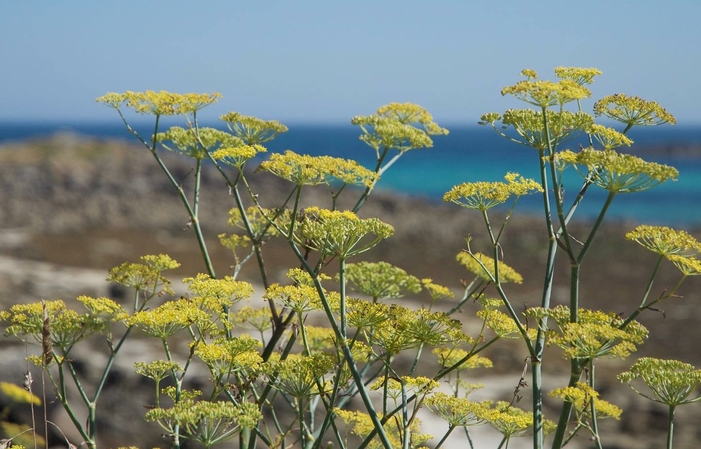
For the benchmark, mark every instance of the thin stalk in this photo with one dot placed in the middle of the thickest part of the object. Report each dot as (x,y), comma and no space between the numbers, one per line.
(592,406)
(596,226)
(416,359)
(670,426)
(445,437)
(366,193)
(342,287)
(537,351)
(302,433)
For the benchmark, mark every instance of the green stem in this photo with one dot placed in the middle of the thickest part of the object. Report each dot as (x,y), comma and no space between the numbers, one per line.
(342,286)
(366,193)
(445,437)
(597,224)
(592,406)
(670,426)
(539,348)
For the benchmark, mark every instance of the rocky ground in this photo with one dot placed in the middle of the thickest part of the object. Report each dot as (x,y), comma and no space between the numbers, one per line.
(71,208)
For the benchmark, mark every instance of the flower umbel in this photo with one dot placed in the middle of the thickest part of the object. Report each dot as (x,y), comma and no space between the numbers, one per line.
(341,234)
(633,111)
(160,103)
(485,195)
(671,382)
(618,172)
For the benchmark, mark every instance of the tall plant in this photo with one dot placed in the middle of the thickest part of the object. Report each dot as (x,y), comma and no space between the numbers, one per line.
(294,384)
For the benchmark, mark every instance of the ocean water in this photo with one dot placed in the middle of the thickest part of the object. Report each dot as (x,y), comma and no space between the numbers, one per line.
(476,154)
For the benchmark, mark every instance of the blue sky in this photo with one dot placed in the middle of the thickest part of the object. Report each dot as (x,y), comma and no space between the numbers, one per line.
(326,61)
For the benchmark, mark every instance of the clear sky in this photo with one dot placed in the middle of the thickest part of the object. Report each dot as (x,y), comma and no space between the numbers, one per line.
(328,60)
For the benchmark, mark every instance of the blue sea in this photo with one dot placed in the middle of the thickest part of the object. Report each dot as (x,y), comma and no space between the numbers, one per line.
(476,154)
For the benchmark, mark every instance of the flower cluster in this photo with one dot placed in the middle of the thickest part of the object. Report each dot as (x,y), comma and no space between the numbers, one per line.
(529,125)
(665,241)
(237,155)
(395,127)
(547,93)
(341,233)
(301,376)
(206,422)
(160,103)
(63,326)
(633,111)
(483,266)
(595,334)
(456,411)
(381,280)
(579,75)
(670,381)
(617,172)
(360,424)
(485,195)
(170,318)
(582,396)
(313,170)
(196,142)
(146,275)
(449,357)
(252,130)
(609,138)
(225,356)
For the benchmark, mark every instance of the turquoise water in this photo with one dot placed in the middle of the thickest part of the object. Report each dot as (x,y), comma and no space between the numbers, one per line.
(475,154)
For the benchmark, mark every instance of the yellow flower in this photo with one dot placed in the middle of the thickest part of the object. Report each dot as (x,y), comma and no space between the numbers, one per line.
(205,422)
(361,424)
(18,394)
(301,376)
(228,290)
(581,396)
(448,357)
(196,142)
(381,280)
(224,356)
(104,309)
(665,241)
(670,381)
(609,138)
(299,298)
(160,103)
(314,170)
(596,334)
(546,93)
(617,172)
(478,262)
(259,319)
(689,266)
(237,156)
(395,126)
(577,74)
(170,318)
(420,386)
(341,233)
(66,326)
(436,291)
(485,195)
(508,420)
(157,370)
(457,411)
(633,111)
(252,130)
(146,275)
